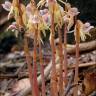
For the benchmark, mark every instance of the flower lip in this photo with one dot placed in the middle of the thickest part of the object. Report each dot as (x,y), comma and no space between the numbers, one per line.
(13,26)
(87,24)
(87,27)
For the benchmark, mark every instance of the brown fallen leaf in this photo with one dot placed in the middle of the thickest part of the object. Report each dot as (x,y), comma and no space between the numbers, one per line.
(90,81)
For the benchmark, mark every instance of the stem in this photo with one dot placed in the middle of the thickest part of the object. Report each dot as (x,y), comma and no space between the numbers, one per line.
(42,69)
(65,53)
(53,74)
(29,61)
(77,38)
(61,63)
(35,82)
(19,20)
(26,49)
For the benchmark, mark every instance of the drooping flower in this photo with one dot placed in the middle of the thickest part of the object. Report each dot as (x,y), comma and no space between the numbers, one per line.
(36,20)
(70,15)
(45,16)
(43,12)
(7,5)
(84,29)
(13,27)
(73,11)
(55,8)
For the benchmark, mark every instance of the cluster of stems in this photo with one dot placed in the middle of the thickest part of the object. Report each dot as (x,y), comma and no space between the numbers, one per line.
(32,68)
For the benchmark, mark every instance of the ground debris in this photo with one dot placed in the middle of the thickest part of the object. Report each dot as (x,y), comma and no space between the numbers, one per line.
(19,73)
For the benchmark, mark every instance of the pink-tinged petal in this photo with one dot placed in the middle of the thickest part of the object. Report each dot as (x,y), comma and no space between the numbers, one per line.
(34,19)
(88,29)
(73,11)
(13,26)
(65,18)
(28,10)
(44,11)
(87,24)
(46,18)
(7,5)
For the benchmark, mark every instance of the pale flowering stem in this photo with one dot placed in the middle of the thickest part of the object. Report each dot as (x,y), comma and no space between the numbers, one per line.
(35,82)
(26,49)
(29,61)
(61,90)
(77,38)
(53,82)
(42,68)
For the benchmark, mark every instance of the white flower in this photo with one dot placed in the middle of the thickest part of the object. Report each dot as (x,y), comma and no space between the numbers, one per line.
(12,27)
(43,12)
(34,19)
(73,11)
(7,5)
(87,27)
(84,29)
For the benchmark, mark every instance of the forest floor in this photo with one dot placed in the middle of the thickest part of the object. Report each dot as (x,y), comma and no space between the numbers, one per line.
(14,73)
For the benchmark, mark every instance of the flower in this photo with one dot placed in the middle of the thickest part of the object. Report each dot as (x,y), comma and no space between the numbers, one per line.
(57,10)
(45,16)
(84,29)
(28,10)
(73,11)
(43,12)
(70,15)
(7,5)
(13,27)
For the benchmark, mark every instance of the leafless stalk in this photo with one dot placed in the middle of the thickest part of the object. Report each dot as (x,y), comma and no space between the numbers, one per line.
(42,69)
(65,53)
(77,38)
(29,61)
(35,82)
(61,63)
(53,83)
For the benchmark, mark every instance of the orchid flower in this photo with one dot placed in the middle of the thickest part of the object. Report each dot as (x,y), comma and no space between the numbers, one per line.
(13,27)
(84,29)
(57,10)
(14,10)
(45,16)
(32,22)
(35,18)
(70,15)
(7,5)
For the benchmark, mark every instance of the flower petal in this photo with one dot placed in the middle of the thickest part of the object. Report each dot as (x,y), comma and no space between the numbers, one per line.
(7,5)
